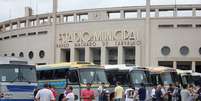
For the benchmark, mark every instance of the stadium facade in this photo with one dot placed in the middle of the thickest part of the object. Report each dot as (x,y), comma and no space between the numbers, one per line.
(167,35)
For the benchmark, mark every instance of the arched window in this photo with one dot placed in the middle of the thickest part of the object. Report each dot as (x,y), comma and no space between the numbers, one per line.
(31,55)
(41,54)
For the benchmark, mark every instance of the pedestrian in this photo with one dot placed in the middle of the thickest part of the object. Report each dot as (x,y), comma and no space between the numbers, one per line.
(142,92)
(53,89)
(103,93)
(35,92)
(87,94)
(170,91)
(70,95)
(159,94)
(199,92)
(185,93)
(45,94)
(192,92)
(130,93)
(118,92)
(176,93)
(153,93)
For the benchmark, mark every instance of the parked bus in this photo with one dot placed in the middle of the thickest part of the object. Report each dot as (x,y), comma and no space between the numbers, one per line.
(163,75)
(17,79)
(76,74)
(128,75)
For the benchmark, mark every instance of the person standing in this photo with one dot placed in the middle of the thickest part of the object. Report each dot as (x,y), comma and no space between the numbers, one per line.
(130,93)
(45,94)
(118,92)
(159,94)
(70,95)
(153,93)
(185,94)
(87,94)
(103,93)
(53,89)
(142,92)
(199,92)
(170,92)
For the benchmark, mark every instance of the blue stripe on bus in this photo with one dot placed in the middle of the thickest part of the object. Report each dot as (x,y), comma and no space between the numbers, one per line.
(16,100)
(20,88)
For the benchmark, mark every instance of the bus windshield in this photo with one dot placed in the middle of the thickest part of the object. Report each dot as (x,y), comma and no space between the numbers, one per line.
(93,76)
(17,73)
(187,79)
(168,77)
(139,76)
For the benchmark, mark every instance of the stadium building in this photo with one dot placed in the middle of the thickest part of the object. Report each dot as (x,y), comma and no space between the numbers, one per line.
(165,35)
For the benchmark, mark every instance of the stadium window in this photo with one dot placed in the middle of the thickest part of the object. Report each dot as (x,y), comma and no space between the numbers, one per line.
(114,15)
(31,55)
(21,54)
(166,12)
(42,32)
(32,22)
(7,27)
(13,54)
(23,24)
(82,17)
(7,37)
(58,19)
(184,12)
(42,54)
(32,33)
(5,55)
(68,18)
(13,36)
(43,21)
(184,25)
(21,35)
(130,14)
(14,25)
(198,12)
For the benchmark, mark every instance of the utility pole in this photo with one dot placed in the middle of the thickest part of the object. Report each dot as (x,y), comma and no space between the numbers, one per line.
(54,10)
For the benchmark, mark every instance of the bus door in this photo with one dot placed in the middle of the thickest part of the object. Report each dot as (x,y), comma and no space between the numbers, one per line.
(72,79)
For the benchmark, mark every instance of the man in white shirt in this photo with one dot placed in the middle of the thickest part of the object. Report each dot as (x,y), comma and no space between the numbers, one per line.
(70,95)
(45,94)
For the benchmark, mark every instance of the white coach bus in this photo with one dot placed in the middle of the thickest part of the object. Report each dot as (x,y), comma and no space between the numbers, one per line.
(17,79)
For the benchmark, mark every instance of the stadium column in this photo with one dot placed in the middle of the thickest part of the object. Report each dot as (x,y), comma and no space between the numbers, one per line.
(87,54)
(120,55)
(147,35)
(175,64)
(103,56)
(138,55)
(193,66)
(72,54)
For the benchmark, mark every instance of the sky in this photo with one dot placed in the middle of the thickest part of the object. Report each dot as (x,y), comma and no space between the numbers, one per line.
(10,9)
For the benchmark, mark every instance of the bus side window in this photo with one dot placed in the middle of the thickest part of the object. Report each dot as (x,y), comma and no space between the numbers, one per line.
(60,73)
(72,77)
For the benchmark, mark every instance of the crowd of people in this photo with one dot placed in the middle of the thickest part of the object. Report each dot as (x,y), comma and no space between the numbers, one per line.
(158,93)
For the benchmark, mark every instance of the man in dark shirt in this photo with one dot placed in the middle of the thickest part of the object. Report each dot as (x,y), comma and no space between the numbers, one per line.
(170,92)
(159,94)
(142,92)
